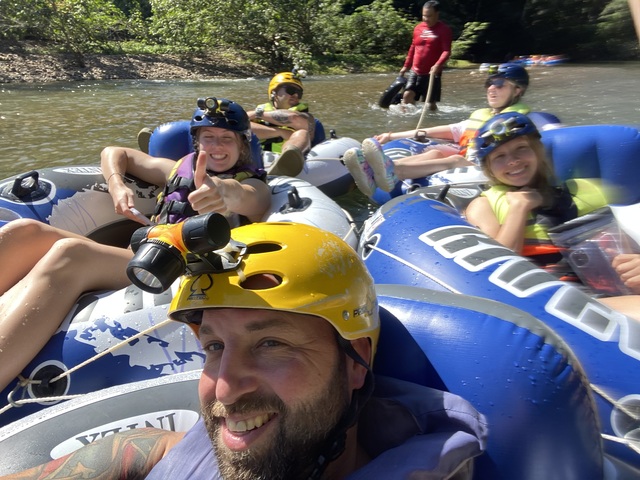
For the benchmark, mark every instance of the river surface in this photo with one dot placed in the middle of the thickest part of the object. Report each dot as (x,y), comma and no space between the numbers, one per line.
(69,123)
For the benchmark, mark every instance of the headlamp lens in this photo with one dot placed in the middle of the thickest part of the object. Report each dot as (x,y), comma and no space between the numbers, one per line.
(155,266)
(499,131)
(160,251)
(146,278)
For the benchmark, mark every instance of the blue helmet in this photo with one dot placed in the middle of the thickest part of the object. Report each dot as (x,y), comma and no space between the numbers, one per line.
(511,71)
(220,113)
(500,129)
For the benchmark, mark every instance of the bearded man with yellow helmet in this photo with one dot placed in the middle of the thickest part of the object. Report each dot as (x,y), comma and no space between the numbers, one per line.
(289,328)
(288,379)
(284,124)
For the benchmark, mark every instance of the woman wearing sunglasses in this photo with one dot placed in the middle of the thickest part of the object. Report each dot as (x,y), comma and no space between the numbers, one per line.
(284,124)
(371,168)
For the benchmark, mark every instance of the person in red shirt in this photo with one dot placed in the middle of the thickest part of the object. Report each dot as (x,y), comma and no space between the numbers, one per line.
(429,52)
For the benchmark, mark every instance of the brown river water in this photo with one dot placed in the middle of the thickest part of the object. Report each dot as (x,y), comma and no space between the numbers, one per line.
(55,124)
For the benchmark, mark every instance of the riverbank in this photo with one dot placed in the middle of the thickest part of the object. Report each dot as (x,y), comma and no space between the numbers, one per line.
(39,68)
(26,63)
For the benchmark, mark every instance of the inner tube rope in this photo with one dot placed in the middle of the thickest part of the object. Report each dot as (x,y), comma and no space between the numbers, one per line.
(23,382)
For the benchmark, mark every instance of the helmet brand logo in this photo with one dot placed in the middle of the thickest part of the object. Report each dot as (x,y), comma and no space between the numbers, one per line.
(200,286)
(366,309)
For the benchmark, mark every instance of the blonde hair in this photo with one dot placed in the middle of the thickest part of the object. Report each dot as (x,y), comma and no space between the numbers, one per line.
(544,180)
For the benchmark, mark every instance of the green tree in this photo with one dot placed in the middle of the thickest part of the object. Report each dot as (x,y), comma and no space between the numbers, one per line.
(83,26)
(19,19)
(281,33)
(469,44)
(76,26)
(616,32)
(376,28)
(183,24)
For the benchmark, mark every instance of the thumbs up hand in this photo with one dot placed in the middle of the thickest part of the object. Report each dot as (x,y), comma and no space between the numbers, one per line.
(209,193)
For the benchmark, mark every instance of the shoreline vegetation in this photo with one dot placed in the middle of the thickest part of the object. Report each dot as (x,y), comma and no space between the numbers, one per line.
(26,67)
(88,40)
(21,68)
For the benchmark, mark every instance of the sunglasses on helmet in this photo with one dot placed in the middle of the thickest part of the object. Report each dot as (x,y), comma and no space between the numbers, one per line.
(291,90)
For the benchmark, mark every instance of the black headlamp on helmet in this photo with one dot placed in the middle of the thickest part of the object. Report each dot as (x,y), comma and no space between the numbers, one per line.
(162,252)
(220,113)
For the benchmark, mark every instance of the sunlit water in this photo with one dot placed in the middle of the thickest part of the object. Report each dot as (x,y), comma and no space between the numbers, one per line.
(69,123)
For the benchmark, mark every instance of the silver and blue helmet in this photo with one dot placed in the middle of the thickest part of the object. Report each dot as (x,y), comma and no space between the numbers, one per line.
(501,129)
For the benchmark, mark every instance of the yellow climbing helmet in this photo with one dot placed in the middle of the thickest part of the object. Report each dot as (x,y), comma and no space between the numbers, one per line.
(319,275)
(284,78)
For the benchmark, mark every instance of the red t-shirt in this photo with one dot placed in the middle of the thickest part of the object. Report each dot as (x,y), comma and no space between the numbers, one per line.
(430,46)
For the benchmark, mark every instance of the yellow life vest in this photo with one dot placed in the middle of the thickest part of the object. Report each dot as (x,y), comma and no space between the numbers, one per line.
(479,117)
(587,194)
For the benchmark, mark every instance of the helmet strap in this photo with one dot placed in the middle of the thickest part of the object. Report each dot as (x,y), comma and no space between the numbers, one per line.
(336,440)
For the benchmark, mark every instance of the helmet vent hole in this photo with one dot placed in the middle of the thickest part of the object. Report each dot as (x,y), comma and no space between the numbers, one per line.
(261,281)
(263,248)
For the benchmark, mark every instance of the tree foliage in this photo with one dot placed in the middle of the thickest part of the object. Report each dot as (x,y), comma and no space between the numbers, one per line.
(615,30)
(376,27)
(183,24)
(281,33)
(471,41)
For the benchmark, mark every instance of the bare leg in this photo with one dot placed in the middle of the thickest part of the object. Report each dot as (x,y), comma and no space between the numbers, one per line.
(409,96)
(628,305)
(427,163)
(22,244)
(32,310)
(299,139)
(291,160)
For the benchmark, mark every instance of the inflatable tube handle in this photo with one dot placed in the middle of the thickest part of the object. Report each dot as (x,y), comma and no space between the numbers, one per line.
(443,193)
(21,188)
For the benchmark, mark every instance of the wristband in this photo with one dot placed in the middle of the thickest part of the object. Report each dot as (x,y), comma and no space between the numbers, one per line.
(114,173)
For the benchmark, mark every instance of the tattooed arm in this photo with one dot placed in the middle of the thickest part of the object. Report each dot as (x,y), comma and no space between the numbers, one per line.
(264,132)
(128,455)
(288,118)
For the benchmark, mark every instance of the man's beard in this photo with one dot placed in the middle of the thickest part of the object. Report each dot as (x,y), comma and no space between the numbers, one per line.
(300,439)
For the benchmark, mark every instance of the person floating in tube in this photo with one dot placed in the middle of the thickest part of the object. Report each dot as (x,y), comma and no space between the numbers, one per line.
(525,201)
(287,390)
(47,269)
(371,168)
(284,124)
